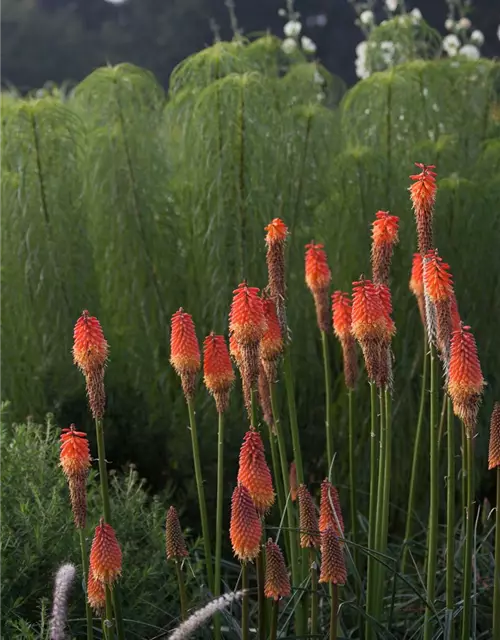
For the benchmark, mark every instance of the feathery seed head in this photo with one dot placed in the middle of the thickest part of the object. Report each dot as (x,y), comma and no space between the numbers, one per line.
(277,231)
(465,378)
(75,453)
(423,196)
(90,349)
(105,554)
(277,582)
(333,567)
(309,528)
(384,237)
(218,371)
(329,509)
(292,479)
(175,545)
(64,579)
(494,445)
(342,315)
(245,530)
(96,593)
(247,321)
(437,278)
(254,473)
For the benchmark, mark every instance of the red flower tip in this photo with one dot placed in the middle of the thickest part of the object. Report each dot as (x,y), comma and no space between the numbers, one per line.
(218,370)
(245,530)
(271,344)
(277,231)
(330,514)
(333,567)
(75,452)
(423,190)
(417,275)
(368,320)
(246,320)
(184,348)
(465,378)
(385,229)
(437,278)
(494,445)
(277,582)
(254,473)
(318,274)
(342,315)
(105,554)
(90,349)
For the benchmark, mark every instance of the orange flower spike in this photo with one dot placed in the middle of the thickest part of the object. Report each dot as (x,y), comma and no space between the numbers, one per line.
(96,593)
(235,350)
(417,275)
(309,529)
(277,232)
(318,278)
(218,370)
(368,321)
(423,196)
(247,320)
(333,567)
(342,315)
(75,452)
(437,278)
(277,582)
(254,473)
(384,237)
(245,530)
(329,509)
(465,378)
(90,349)
(271,345)
(384,294)
(454,312)
(292,478)
(105,554)
(185,351)
(175,545)
(494,445)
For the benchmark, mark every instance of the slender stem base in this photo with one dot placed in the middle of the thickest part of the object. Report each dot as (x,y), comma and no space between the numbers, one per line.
(262,631)
(469,539)
(374,445)
(328,401)
(244,603)
(182,590)
(334,594)
(85,571)
(274,620)
(496,588)
(314,593)
(352,476)
(450,521)
(218,518)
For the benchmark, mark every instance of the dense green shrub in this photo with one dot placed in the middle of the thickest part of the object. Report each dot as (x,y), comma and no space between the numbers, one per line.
(38,535)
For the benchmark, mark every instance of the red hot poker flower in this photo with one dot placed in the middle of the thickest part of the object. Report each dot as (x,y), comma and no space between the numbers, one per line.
(494,445)
(105,554)
(271,344)
(277,582)
(370,325)
(437,278)
(384,237)
(96,593)
(439,291)
(247,320)
(277,233)
(218,371)
(174,538)
(309,529)
(333,567)
(90,349)
(342,315)
(254,473)
(75,452)
(465,378)
(185,351)
(318,278)
(423,196)
(329,509)
(245,530)
(417,284)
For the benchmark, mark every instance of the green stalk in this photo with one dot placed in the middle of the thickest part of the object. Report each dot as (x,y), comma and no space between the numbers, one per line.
(182,590)
(432,540)
(450,520)
(103,479)
(244,603)
(314,593)
(274,620)
(110,623)
(262,634)
(292,410)
(469,533)
(328,402)
(371,570)
(334,594)
(379,535)
(385,504)
(496,587)
(352,477)
(278,482)
(464,480)
(201,495)
(218,518)
(414,465)
(85,570)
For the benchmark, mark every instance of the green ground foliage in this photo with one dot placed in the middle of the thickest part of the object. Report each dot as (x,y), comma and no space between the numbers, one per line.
(131,202)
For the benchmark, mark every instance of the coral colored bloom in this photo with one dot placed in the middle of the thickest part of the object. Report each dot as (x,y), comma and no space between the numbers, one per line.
(175,545)
(494,446)
(309,528)
(333,567)
(276,238)
(330,514)
(105,554)
(277,231)
(247,321)
(465,378)
(96,593)
(254,473)
(368,319)
(417,275)
(384,237)
(90,349)
(185,351)
(245,530)
(277,582)
(318,274)
(234,350)
(455,315)
(292,478)
(342,315)
(75,452)
(218,370)
(437,278)
(271,345)
(423,196)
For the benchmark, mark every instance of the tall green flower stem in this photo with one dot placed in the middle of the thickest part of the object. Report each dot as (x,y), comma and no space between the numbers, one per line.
(201,495)
(110,623)
(85,570)
(245,622)
(314,593)
(352,475)
(114,595)
(374,443)
(432,539)
(278,481)
(274,620)
(328,400)
(334,595)
(496,587)
(469,538)
(182,589)
(218,517)
(450,519)
(414,465)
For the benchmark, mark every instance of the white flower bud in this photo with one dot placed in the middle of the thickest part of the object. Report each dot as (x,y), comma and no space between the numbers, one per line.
(451,44)
(292,28)
(449,24)
(366,17)
(477,37)
(391,5)
(416,15)
(308,45)
(289,45)
(464,23)
(470,51)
